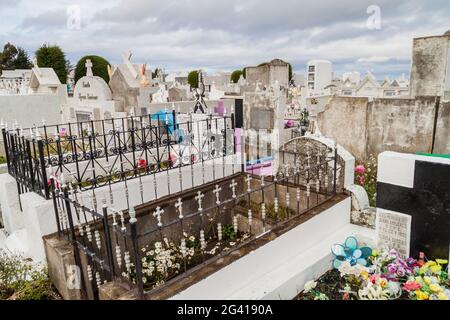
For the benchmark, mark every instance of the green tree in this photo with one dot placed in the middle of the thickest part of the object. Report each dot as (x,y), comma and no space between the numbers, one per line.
(13,57)
(193,79)
(236,75)
(53,57)
(99,67)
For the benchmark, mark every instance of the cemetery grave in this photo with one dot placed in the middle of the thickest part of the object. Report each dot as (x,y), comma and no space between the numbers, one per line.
(153,245)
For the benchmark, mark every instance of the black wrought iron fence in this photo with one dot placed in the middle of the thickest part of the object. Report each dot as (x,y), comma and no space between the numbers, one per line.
(150,247)
(98,153)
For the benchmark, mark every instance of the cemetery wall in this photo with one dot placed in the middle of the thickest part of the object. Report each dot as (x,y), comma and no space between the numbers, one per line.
(402,125)
(29,110)
(442,137)
(428,71)
(344,120)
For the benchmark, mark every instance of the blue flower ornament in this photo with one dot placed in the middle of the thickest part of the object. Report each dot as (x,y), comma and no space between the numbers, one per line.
(349,251)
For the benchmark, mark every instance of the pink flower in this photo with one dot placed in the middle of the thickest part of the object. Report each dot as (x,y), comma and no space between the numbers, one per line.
(373,278)
(360,169)
(411,285)
(361,180)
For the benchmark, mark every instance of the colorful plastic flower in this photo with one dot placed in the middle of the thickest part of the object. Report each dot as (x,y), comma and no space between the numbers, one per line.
(434,287)
(421,295)
(310,285)
(360,169)
(349,251)
(442,296)
(411,285)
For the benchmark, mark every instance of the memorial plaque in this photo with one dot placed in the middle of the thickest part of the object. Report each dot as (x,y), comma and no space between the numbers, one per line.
(262,119)
(394,231)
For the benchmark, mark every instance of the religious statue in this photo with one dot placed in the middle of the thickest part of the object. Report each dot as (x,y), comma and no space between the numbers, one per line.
(144,80)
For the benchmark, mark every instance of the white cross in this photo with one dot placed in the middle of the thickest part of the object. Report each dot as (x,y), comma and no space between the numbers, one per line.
(248,179)
(199,198)
(157,214)
(88,66)
(233,188)
(216,191)
(179,207)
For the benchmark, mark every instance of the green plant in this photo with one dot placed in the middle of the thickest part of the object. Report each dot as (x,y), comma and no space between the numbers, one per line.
(99,67)
(21,280)
(53,57)
(193,79)
(2,159)
(366,176)
(13,57)
(228,232)
(236,75)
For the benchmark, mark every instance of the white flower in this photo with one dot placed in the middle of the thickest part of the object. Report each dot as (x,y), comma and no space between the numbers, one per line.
(345,268)
(157,245)
(152,252)
(157,251)
(169,264)
(310,285)
(191,238)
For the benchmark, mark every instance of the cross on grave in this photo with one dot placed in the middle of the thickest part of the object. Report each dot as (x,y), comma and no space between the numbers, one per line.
(248,180)
(88,66)
(216,191)
(157,214)
(179,207)
(199,198)
(233,188)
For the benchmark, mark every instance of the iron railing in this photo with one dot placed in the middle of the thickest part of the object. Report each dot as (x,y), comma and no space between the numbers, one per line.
(111,245)
(98,153)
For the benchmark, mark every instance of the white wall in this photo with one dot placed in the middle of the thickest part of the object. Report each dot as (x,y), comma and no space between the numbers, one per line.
(30,109)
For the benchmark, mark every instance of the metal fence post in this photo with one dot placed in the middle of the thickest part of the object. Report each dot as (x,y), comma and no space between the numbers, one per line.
(43,168)
(109,250)
(137,260)
(5,143)
(55,205)
(73,239)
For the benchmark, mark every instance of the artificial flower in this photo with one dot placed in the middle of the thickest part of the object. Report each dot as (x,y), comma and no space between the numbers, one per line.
(435,288)
(420,295)
(360,169)
(442,296)
(411,285)
(310,285)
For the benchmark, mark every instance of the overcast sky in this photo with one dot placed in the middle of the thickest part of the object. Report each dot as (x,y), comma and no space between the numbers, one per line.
(229,34)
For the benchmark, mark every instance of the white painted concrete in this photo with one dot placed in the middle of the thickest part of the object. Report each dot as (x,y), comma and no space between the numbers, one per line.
(13,218)
(37,218)
(398,168)
(279,269)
